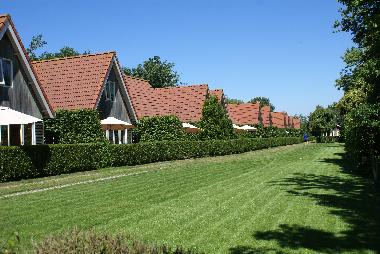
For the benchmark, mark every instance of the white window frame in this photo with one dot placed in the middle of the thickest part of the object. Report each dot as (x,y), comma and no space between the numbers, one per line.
(2,80)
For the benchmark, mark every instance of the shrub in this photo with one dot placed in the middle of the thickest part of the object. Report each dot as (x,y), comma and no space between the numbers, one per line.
(76,241)
(74,127)
(215,122)
(362,133)
(159,128)
(42,160)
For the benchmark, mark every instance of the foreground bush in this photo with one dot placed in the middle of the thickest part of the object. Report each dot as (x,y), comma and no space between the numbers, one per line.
(74,127)
(159,128)
(43,160)
(362,135)
(76,241)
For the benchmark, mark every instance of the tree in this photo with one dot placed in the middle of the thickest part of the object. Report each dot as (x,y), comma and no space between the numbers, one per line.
(322,120)
(360,78)
(233,101)
(38,42)
(215,122)
(159,73)
(263,101)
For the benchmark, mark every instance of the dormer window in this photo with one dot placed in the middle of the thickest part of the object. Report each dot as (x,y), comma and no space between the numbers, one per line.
(110,90)
(5,72)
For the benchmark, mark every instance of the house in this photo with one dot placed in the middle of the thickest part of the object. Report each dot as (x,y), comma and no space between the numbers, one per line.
(92,81)
(22,99)
(185,102)
(278,119)
(244,114)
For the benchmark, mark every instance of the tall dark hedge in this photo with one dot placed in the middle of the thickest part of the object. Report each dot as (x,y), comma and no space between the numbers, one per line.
(43,160)
(215,123)
(159,128)
(362,133)
(74,127)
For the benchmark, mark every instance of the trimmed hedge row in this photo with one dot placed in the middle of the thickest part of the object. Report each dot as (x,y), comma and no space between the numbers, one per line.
(43,160)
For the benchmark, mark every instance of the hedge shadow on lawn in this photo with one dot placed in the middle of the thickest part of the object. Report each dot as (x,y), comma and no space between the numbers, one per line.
(348,196)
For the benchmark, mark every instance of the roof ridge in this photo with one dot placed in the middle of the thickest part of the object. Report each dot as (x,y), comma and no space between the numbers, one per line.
(72,57)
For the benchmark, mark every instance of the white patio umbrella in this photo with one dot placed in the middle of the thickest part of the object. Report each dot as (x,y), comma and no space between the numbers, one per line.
(9,116)
(111,123)
(238,128)
(190,128)
(248,128)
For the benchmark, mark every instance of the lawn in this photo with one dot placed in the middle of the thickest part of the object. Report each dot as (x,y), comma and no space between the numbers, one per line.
(294,199)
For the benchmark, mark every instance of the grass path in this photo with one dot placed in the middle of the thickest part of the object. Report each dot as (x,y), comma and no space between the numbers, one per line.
(294,199)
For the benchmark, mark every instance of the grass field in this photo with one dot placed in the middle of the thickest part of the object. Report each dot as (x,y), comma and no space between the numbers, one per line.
(294,199)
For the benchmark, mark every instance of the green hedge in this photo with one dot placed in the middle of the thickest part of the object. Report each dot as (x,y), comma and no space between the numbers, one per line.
(43,160)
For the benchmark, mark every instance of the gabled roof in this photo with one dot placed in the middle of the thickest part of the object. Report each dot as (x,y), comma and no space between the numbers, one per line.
(245,113)
(74,82)
(185,102)
(6,25)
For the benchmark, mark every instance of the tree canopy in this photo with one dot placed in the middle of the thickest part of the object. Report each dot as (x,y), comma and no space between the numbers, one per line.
(38,42)
(322,120)
(263,101)
(159,73)
(233,101)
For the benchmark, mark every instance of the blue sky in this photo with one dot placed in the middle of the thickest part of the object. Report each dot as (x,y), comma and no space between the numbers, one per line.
(284,50)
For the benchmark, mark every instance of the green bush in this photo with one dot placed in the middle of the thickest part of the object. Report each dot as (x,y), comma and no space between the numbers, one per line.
(362,133)
(74,127)
(215,122)
(159,128)
(42,160)
(271,132)
(327,139)
(76,241)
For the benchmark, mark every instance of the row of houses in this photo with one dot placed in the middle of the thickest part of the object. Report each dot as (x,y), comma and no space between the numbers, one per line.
(33,90)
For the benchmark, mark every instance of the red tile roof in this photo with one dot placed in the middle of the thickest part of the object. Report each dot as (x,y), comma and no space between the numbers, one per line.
(265,116)
(218,93)
(73,82)
(278,119)
(297,123)
(185,102)
(245,113)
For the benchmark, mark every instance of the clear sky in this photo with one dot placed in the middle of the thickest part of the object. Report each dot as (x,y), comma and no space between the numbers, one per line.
(284,50)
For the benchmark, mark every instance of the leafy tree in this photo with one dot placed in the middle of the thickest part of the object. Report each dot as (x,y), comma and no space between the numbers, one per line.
(215,122)
(322,120)
(233,101)
(38,42)
(360,78)
(159,73)
(263,101)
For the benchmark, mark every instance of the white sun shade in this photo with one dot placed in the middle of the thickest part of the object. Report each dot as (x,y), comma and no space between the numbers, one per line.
(190,128)
(111,123)
(10,116)
(248,128)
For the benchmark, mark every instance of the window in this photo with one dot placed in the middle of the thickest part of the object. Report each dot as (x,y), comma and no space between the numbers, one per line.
(110,90)
(5,72)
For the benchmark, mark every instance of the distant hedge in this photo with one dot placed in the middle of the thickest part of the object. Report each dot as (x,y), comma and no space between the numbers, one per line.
(43,160)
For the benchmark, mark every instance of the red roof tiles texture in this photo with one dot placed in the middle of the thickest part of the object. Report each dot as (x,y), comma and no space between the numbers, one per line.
(73,82)
(245,113)
(297,123)
(218,93)
(185,102)
(278,119)
(265,116)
